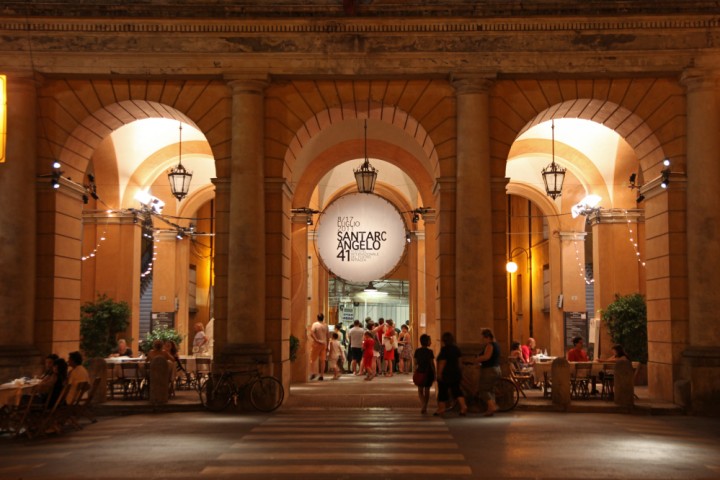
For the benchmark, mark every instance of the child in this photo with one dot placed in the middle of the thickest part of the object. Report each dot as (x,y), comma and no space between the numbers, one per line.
(335,353)
(368,348)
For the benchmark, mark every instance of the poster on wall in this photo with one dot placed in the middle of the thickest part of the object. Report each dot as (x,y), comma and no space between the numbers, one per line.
(576,325)
(360,237)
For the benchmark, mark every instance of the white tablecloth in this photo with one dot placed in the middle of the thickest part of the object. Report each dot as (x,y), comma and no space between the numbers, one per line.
(10,393)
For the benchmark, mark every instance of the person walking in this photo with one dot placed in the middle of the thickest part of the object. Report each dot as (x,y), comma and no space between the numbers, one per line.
(355,338)
(405,349)
(318,354)
(336,355)
(449,375)
(424,376)
(368,348)
(489,359)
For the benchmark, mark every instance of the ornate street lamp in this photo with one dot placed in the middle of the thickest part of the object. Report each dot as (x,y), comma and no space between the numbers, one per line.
(366,174)
(178,176)
(553,175)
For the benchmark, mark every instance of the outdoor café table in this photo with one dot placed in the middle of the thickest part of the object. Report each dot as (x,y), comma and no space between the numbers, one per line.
(10,395)
(11,392)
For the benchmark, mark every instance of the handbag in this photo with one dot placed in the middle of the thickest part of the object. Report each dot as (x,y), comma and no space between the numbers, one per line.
(388,343)
(419,378)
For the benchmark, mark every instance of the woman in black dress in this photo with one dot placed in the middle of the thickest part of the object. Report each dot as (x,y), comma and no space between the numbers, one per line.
(425,367)
(449,375)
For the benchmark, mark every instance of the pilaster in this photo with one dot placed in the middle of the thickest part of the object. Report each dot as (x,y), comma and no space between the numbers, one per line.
(701,358)
(18,229)
(445,281)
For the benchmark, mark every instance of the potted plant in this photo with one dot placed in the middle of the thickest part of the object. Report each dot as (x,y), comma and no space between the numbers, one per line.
(626,320)
(100,322)
(162,333)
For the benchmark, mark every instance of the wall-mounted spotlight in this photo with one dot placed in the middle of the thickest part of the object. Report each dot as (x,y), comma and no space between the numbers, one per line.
(306,211)
(420,212)
(56,174)
(665,173)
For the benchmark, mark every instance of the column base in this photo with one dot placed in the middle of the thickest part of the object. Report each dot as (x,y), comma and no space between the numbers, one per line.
(244,356)
(702,366)
(19,361)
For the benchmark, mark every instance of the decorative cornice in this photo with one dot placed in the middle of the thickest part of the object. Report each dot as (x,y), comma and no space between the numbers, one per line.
(572,236)
(616,215)
(357,26)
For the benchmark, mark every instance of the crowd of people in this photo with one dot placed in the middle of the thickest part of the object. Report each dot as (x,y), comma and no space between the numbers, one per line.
(382,349)
(377,349)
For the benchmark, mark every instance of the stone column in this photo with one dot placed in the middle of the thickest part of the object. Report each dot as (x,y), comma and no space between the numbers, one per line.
(473,212)
(18,230)
(572,253)
(299,294)
(702,356)
(245,327)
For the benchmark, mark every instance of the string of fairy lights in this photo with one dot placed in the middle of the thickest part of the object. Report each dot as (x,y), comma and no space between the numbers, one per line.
(633,241)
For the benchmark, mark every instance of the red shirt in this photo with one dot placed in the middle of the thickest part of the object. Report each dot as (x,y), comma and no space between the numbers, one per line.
(575,355)
(526,353)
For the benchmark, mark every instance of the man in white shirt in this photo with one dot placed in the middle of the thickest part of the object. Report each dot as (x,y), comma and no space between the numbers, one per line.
(355,337)
(318,354)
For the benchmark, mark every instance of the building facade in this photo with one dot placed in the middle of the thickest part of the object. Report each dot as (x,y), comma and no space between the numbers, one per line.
(464,103)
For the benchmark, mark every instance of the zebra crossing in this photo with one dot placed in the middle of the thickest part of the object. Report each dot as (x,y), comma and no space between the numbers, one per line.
(370,442)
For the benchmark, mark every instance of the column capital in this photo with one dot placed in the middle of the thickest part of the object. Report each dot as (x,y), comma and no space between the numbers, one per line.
(572,236)
(444,184)
(699,79)
(677,181)
(616,215)
(278,184)
(247,83)
(221,184)
(470,83)
(499,184)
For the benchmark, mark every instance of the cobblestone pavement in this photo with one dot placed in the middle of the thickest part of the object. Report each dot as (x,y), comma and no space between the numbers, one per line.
(317,441)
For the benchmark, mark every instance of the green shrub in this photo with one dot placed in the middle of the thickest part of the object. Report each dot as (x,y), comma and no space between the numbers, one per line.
(626,319)
(162,333)
(100,322)
(294,347)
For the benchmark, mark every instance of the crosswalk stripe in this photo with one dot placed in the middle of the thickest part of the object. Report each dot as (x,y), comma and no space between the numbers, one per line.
(405,446)
(370,469)
(399,456)
(350,436)
(277,428)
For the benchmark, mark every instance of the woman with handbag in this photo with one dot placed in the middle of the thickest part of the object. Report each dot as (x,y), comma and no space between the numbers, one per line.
(449,375)
(424,375)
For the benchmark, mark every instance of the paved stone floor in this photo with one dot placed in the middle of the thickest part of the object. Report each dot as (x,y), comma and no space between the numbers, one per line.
(306,440)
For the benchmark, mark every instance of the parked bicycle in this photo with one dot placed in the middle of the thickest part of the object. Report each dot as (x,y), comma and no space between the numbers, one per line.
(507,394)
(265,393)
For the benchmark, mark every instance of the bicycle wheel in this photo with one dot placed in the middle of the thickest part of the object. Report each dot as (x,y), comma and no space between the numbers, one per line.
(266,394)
(506,394)
(216,393)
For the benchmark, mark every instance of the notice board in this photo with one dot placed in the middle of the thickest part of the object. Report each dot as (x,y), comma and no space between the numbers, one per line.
(158,319)
(576,325)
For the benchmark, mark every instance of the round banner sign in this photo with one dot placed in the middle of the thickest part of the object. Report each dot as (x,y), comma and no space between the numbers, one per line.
(360,237)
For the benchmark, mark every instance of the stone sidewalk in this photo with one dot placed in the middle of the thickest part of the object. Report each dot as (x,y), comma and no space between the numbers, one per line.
(396,392)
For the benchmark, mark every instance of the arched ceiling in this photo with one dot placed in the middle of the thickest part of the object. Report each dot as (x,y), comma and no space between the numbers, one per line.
(136,142)
(588,149)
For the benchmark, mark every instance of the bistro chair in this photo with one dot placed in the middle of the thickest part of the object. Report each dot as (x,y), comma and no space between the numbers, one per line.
(580,381)
(607,377)
(203,368)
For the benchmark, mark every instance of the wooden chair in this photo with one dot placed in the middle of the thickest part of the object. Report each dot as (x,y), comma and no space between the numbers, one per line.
(50,420)
(523,380)
(84,406)
(203,368)
(608,381)
(132,380)
(580,381)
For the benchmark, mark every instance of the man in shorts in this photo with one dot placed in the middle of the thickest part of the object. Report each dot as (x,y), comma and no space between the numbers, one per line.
(319,335)
(355,336)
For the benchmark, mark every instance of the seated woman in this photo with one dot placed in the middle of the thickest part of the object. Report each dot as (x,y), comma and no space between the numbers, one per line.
(159,351)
